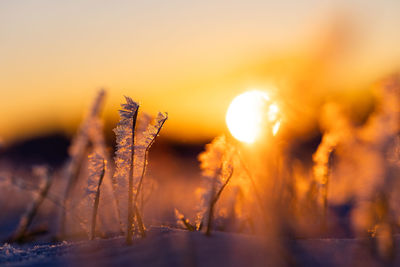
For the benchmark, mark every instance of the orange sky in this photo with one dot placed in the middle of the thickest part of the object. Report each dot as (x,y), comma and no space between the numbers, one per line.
(189,59)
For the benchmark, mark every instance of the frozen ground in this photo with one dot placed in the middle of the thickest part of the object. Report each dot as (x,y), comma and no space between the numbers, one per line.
(170,247)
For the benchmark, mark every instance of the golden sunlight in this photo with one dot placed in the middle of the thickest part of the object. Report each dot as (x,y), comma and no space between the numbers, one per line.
(250,114)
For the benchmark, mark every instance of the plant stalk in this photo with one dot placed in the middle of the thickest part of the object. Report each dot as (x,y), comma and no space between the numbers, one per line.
(213,202)
(140,222)
(96,204)
(30,213)
(129,232)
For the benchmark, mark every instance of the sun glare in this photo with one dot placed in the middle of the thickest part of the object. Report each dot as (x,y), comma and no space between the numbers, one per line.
(250,113)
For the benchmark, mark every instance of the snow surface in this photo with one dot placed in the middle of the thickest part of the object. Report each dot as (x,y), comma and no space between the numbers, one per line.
(172,247)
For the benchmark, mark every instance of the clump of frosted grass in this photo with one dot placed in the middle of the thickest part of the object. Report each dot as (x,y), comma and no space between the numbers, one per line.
(133,144)
(77,153)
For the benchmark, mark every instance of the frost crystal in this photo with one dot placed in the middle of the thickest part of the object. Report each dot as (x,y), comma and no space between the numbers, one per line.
(96,174)
(133,143)
(145,137)
(216,157)
(216,165)
(124,155)
(96,170)
(77,152)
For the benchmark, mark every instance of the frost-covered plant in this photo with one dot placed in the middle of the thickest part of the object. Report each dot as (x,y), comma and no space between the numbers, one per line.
(97,169)
(145,138)
(133,144)
(99,147)
(183,221)
(123,176)
(216,164)
(219,163)
(78,152)
(379,137)
(335,132)
(45,182)
(365,170)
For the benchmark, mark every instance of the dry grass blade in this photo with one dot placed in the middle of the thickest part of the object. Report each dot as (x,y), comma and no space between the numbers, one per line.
(124,161)
(214,201)
(98,164)
(147,140)
(32,209)
(97,139)
(77,152)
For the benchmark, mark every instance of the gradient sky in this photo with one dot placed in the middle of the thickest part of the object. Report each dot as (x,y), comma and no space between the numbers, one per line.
(188,58)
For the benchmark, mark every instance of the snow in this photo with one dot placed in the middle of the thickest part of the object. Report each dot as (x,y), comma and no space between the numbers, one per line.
(172,247)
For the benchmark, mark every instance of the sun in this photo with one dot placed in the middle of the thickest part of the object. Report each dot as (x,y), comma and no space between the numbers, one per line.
(251,114)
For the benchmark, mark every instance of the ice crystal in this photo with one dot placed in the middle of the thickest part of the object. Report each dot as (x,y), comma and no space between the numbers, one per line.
(81,139)
(216,160)
(216,165)
(133,144)
(96,170)
(145,137)
(96,174)
(109,198)
(77,153)
(124,132)
(33,207)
